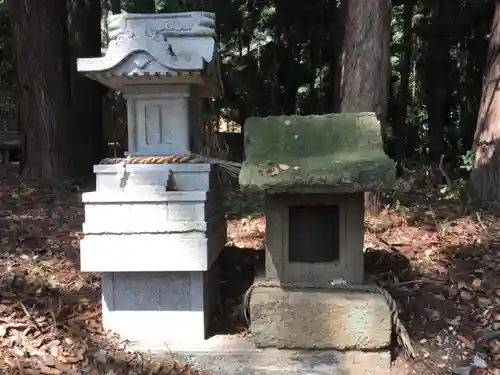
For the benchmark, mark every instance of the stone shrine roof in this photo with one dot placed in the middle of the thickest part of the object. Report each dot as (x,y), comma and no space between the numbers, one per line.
(334,152)
(146,49)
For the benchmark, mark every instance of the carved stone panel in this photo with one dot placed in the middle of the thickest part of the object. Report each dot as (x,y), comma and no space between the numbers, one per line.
(161,126)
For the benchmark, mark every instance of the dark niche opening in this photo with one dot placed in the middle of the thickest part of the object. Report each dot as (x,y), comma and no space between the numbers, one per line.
(313,234)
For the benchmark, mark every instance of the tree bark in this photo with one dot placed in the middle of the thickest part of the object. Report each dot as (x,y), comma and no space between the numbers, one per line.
(401,127)
(434,76)
(86,94)
(365,65)
(42,59)
(139,6)
(485,176)
(115,6)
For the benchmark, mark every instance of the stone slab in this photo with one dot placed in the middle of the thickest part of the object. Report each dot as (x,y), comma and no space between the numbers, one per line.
(186,177)
(320,319)
(334,152)
(150,252)
(147,196)
(228,355)
(159,309)
(145,213)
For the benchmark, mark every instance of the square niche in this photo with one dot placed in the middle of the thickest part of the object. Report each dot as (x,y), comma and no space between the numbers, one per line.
(314,234)
(315,238)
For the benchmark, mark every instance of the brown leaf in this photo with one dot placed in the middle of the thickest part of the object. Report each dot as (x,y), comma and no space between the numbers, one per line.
(273,172)
(11,362)
(468,343)
(70,359)
(3,330)
(476,283)
(465,295)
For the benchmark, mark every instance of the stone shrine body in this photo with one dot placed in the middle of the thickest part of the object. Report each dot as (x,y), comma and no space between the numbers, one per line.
(315,170)
(154,230)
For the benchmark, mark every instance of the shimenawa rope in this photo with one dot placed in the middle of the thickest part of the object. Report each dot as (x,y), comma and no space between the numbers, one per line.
(403,338)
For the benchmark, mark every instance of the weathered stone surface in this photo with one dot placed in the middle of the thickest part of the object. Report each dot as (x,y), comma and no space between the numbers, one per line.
(335,152)
(351,236)
(305,319)
(232,355)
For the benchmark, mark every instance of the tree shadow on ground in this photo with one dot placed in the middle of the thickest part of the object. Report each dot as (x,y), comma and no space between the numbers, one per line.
(450,303)
(238,267)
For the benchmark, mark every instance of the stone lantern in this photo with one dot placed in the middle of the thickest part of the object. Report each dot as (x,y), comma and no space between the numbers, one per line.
(315,170)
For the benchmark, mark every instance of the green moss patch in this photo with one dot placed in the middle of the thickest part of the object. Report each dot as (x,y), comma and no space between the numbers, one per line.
(338,152)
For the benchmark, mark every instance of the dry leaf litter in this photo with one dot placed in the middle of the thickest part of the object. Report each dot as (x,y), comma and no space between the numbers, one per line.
(438,260)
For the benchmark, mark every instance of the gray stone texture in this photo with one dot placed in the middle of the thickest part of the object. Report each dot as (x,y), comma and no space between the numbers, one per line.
(340,152)
(227,355)
(319,319)
(351,220)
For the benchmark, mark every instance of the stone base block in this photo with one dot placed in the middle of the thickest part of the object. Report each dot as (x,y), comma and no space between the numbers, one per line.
(320,319)
(156,310)
(141,177)
(152,252)
(226,355)
(168,231)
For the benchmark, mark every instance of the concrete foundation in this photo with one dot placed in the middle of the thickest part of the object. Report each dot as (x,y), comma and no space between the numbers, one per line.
(225,355)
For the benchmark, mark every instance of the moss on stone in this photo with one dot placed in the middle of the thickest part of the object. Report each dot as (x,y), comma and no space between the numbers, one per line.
(339,152)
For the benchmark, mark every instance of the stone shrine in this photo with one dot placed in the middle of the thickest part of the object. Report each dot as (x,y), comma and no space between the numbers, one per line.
(315,170)
(154,230)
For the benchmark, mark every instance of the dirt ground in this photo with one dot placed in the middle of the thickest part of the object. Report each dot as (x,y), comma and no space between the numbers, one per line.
(437,258)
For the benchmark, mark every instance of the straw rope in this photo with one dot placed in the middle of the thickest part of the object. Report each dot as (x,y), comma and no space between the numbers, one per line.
(403,338)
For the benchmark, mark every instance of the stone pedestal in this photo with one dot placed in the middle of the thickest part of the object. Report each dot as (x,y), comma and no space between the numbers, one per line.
(156,251)
(319,319)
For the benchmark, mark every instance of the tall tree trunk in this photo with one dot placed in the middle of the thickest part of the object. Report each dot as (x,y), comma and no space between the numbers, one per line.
(139,6)
(86,94)
(405,70)
(336,60)
(485,177)
(115,6)
(365,65)
(42,57)
(434,79)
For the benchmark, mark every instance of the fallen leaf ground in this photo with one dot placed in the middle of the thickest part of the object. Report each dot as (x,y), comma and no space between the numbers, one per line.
(437,258)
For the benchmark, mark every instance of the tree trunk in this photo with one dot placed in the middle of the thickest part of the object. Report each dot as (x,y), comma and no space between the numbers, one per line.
(485,176)
(42,58)
(401,127)
(139,6)
(115,6)
(365,64)
(434,77)
(86,94)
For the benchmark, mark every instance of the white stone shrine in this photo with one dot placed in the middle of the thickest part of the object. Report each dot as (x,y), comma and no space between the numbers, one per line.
(154,244)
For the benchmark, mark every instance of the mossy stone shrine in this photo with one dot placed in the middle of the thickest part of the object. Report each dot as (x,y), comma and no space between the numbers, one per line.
(315,171)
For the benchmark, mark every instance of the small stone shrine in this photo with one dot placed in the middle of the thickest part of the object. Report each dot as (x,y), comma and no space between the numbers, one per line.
(315,170)
(154,225)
